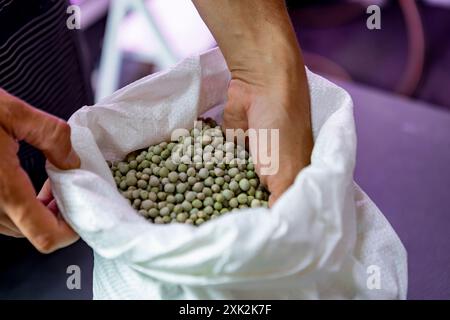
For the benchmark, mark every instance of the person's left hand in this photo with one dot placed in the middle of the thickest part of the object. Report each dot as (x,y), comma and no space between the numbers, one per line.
(22,214)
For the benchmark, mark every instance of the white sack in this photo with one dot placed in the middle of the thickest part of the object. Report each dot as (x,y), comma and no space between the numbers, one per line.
(317,242)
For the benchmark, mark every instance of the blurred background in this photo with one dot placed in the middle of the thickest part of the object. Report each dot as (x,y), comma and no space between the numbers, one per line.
(408,55)
(398,76)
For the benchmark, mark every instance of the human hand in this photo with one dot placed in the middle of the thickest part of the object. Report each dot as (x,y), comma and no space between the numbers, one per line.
(21,213)
(267,101)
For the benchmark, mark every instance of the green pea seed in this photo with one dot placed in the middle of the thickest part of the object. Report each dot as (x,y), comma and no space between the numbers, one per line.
(234,186)
(233,202)
(162,196)
(197,187)
(153,212)
(147,204)
(164,211)
(203,173)
(193,216)
(209,181)
(182,217)
(157,150)
(143,194)
(179,198)
(207,191)
(181,187)
(170,165)
(219,181)
(208,201)
(182,176)
(191,172)
(242,198)
(199,221)
(154,181)
(131,180)
(197,203)
(227,194)
(163,172)
(201,196)
(170,188)
(170,198)
(152,196)
(190,196)
(233,172)
(142,184)
(202,214)
(208,210)
(255,203)
(165,154)
(186,205)
(244,184)
(158,220)
(191,181)
(173,177)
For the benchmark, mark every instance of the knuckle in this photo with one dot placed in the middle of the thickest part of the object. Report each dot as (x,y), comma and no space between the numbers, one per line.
(62,131)
(63,128)
(10,111)
(45,243)
(58,133)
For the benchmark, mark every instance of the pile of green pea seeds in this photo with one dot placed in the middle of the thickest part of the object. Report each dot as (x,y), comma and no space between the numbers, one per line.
(196,179)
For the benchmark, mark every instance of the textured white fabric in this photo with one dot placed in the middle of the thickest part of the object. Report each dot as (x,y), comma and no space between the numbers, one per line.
(317,242)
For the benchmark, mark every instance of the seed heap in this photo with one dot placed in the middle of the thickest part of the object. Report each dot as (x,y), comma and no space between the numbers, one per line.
(197,179)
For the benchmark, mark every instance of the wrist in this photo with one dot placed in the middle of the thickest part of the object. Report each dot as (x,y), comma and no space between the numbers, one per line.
(271,60)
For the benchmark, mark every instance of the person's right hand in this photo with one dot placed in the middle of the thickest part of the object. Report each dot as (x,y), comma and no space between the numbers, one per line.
(269,88)
(21,213)
(275,101)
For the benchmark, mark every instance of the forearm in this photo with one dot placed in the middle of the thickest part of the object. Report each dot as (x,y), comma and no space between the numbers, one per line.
(255,36)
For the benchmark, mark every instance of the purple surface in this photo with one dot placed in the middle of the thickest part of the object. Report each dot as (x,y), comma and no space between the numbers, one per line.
(377,58)
(403,164)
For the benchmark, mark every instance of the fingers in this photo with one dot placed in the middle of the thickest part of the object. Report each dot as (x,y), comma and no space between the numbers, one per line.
(46,132)
(6,222)
(10,233)
(45,195)
(45,231)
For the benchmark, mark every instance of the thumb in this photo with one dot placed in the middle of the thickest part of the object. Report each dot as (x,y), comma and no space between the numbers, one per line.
(235,112)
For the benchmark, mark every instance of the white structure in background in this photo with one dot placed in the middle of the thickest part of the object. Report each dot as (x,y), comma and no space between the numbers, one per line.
(160,32)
